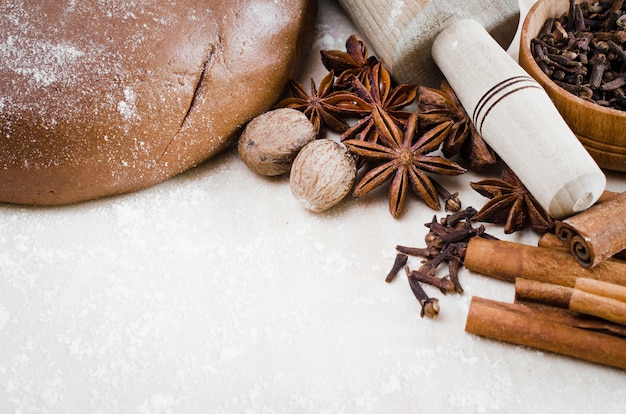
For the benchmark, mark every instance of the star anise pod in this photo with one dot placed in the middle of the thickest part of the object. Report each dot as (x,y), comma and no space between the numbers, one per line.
(378,91)
(353,63)
(511,204)
(402,157)
(441,105)
(325,107)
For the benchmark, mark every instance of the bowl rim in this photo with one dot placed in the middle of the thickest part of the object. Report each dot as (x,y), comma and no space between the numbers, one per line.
(524,48)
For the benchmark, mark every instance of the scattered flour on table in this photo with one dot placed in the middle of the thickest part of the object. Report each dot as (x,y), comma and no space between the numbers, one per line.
(4,316)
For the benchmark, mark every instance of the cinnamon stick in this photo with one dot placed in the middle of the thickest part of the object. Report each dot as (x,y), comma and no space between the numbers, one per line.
(597,233)
(528,326)
(552,241)
(605,308)
(606,195)
(556,307)
(589,297)
(507,261)
(608,290)
(527,290)
(600,299)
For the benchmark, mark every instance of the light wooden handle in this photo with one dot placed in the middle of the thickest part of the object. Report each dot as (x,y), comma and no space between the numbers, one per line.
(402,31)
(518,120)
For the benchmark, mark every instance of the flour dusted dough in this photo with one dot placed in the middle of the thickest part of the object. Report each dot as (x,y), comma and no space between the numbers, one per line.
(102,98)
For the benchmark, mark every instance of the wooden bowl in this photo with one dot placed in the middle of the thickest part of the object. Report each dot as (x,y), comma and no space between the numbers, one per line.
(601,130)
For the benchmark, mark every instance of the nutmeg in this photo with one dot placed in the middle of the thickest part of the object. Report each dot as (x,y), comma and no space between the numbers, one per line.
(271,141)
(322,174)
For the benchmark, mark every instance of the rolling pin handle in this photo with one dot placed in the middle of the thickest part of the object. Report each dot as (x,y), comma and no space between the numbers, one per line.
(516,117)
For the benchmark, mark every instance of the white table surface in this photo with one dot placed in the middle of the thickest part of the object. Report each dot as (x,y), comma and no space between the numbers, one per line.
(215,292)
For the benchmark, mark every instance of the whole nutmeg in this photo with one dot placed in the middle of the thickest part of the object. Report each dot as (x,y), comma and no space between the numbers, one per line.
(322,174)
(271,141)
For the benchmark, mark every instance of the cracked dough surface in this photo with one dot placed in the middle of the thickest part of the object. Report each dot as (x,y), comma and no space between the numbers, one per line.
(104,99)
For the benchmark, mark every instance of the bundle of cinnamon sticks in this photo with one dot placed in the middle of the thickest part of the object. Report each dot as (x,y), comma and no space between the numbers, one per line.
(568,299)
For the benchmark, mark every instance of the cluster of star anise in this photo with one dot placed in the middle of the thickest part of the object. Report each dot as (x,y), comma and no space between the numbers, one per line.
(394,144)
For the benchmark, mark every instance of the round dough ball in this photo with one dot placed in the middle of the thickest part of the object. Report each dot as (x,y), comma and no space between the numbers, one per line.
(272,140)
(102,98)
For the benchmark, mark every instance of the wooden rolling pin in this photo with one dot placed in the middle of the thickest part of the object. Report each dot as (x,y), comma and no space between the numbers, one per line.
(509,108)
(402,31)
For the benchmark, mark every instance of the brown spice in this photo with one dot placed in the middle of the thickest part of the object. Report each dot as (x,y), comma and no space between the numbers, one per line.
(426,274)
(398,264)
(507,261)
(597,233)
(322,175)
(352,64)
(533,291)
(588,297)
(402,157)
(430,306)
(325,107)
(554,300)
(271,141)
(543,329)
(438,106)
(511,204)
(600,299)
(378,92)
(583,51)
(363,89)
(451,201)
(446,242)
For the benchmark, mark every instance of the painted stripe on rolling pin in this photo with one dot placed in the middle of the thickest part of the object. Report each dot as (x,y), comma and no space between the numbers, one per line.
(498,92)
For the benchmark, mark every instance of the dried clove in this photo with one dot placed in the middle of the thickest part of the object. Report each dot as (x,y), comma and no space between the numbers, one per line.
(454,263)
(430,306)
(424,275)
(451,201)
(452,220)
(444,235)
(398,264)
(618,50)
(427,252)
(598,66)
